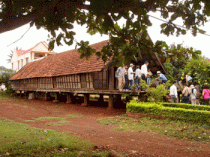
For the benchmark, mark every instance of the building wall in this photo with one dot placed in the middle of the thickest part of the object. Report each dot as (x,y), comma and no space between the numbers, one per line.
(40,48)
(21,59)
(67,82)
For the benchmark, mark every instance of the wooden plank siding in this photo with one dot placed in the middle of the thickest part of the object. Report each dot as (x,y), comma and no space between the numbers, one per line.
(95,80)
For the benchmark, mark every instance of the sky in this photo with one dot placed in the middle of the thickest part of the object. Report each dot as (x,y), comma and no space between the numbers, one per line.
(34,36)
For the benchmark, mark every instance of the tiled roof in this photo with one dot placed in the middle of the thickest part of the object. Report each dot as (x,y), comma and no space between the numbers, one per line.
(22,52)
(65,63)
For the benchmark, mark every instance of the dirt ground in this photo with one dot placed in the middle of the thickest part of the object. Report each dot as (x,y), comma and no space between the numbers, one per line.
(141,143)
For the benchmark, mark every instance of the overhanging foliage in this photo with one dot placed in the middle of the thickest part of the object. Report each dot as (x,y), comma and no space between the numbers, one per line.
(103,16)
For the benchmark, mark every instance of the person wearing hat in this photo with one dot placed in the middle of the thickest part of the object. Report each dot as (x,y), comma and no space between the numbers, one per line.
(130,75)
(162,77)
(137,76)
(121,77)
(173,93)
(144,71)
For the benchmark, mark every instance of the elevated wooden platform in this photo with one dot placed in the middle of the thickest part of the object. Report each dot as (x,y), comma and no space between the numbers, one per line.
(83,91)
(71,92)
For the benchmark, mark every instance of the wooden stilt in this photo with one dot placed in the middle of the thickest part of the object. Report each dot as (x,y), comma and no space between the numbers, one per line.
(86,99)
(69,98)
(56,97)
(45,96)
(101,98)
(25,95)
(111,98)
(119,99)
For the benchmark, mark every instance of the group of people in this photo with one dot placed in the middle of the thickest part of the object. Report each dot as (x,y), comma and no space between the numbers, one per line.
(191,93)
(126,75)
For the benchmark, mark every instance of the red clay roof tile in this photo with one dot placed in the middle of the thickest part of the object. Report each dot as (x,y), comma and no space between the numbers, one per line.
(65,63)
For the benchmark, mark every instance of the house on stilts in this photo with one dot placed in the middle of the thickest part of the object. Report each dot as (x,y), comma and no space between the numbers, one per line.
(67,73)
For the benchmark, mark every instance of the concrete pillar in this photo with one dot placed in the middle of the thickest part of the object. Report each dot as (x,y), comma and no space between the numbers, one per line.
(69,98)
(110,104)
(86,99)
(32,58)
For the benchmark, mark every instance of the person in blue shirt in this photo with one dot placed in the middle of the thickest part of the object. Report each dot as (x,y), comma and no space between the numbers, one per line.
(162,77)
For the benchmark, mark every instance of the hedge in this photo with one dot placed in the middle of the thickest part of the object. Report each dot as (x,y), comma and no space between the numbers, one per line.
(168,112)
(187,106)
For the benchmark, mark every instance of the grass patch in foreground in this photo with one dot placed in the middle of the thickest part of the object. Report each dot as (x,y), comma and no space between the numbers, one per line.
(75,115)
(45,118)
(177,129)
(21,140)
(4,95)
(60,120)
(58,123)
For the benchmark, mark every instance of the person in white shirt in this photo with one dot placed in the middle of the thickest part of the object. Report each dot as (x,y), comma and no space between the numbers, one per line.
(121,77)
(137,76)
(192,91)
(173,93)
(130,75)
(144,71)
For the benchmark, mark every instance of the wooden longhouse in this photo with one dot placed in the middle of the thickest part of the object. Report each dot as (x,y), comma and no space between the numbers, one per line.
(67,73)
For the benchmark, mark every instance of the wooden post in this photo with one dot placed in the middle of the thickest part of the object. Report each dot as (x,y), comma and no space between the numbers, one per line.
(69,98)
(45,96)
(111,78)
(86,99)
(111,98)
(101,98)
(142,97)
(119,99)
(56,97)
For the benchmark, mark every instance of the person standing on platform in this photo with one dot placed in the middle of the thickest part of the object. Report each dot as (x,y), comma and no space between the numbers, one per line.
(173,93)
(138,76)
(162,77)
(205,94)
(149,76)
(185,93)
(130,75)
(144,71)
(126,78)
(121,77)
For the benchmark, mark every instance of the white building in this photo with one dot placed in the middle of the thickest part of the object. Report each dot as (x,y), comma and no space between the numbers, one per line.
(22,57)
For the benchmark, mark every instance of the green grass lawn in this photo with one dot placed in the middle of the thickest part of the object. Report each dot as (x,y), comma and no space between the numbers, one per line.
(4,95)
(17,139)
(177,129)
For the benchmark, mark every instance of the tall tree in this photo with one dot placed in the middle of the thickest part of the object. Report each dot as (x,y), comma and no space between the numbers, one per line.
(102,16)
(11,54)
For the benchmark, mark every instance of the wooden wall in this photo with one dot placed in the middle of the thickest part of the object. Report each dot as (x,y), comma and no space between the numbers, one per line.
(95,80)
(101,79)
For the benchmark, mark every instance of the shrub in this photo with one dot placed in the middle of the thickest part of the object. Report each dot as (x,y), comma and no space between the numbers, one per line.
(156,94)
(4,78)
(187,106)
(168,112)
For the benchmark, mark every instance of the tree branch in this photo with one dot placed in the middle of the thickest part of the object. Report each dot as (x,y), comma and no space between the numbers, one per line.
(13,22)
(19,38)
